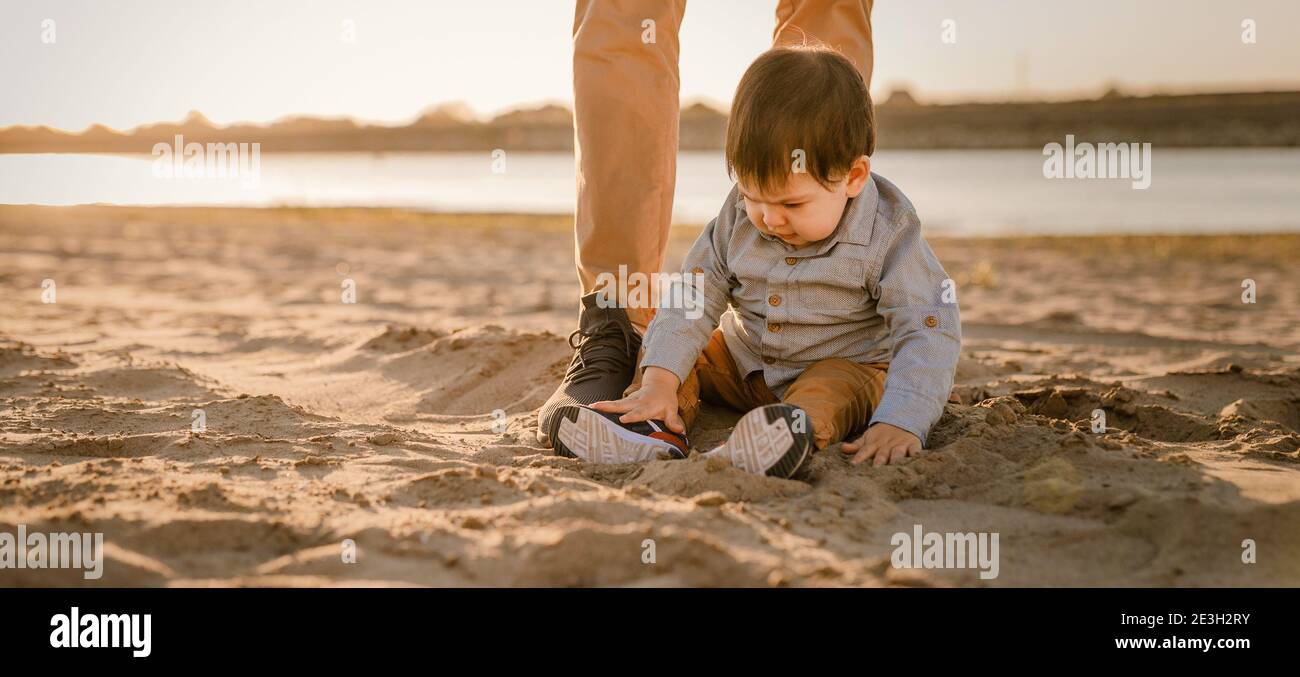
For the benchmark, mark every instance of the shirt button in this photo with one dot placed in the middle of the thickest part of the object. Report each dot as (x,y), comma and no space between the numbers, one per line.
(791,260)
(931,321)
(769,360)
(774,300)
(774,327)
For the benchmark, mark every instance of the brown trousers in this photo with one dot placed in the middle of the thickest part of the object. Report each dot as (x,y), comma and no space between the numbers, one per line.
(625,118)
(838,395)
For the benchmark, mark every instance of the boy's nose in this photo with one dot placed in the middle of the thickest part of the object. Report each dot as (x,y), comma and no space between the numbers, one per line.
(773,218)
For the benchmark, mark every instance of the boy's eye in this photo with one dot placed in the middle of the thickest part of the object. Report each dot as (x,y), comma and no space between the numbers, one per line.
(792,205)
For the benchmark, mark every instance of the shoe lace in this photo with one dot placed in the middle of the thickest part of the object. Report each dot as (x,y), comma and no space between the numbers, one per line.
(598,350)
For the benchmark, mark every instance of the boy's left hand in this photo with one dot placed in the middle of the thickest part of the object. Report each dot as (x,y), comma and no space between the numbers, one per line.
(885,443)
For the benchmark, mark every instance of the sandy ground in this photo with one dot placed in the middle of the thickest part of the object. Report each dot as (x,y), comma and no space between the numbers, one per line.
(374,421)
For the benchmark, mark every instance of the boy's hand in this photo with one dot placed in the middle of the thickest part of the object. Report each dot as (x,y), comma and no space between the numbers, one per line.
(885,443)
(657,399)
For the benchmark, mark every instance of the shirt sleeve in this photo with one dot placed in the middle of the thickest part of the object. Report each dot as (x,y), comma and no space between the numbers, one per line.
(685,318)
(918,302)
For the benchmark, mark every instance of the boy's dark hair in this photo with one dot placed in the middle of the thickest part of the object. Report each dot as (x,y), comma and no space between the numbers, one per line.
(808,98)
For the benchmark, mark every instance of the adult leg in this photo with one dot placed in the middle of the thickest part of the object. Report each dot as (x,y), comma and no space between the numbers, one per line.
(842,24)
(625,121)
(625,93)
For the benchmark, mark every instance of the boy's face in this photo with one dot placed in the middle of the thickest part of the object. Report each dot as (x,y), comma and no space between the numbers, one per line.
(803,211)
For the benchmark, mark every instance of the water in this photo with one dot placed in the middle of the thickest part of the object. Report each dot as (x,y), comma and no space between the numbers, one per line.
(955,192)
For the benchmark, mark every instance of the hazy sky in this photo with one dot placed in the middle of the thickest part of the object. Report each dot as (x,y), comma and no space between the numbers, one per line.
(128,62)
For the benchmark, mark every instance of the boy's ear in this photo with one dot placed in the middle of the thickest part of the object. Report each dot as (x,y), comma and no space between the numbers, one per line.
(858,175)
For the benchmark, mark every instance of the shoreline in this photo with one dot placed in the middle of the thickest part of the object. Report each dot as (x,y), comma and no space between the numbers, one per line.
(380,217)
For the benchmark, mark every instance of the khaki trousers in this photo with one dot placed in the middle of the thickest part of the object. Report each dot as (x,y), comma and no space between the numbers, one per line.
(625,118)
(838,395)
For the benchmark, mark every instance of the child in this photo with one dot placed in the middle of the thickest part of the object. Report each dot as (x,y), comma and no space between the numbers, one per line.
(815,283)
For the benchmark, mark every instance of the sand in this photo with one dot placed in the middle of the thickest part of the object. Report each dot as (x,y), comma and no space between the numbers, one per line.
(405,422)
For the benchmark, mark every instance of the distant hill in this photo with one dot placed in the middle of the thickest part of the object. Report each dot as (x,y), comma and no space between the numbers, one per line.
(1198,120)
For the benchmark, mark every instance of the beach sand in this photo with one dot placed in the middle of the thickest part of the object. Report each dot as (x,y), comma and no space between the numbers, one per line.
(405,421)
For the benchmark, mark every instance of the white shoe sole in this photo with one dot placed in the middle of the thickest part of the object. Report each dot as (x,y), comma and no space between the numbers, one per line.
(596,439)
(756,446)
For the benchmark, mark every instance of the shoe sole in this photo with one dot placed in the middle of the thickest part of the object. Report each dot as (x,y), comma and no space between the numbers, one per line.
(763,442)
(582,433)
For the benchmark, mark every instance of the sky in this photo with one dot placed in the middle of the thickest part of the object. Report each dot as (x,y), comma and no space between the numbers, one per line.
(130,62)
